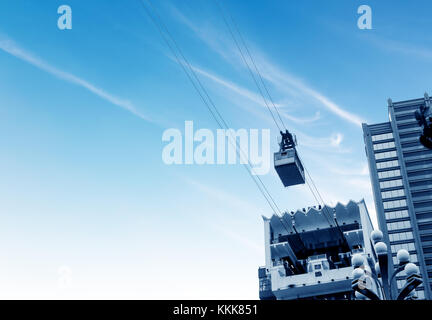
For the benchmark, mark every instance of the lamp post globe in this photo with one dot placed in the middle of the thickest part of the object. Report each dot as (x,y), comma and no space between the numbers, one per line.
(377,236)
(403,256)
(357,260)
(381,248)
(410,269)
(358,273)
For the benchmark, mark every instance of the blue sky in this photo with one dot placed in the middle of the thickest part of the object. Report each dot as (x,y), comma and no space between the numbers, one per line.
(82,113)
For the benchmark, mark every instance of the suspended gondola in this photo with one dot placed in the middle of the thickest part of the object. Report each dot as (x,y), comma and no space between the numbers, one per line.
(287,162)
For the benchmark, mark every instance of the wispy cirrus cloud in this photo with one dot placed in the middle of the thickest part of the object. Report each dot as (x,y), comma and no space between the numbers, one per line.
(252,96)
(286,82)
(400,47)
(314,118)
(332,143)
(10,47)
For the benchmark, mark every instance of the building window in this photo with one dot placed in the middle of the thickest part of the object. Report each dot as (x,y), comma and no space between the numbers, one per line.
(394,204)
(387,164)
(385,145)
(420,294)
(393,193)
(407,246)
(400,236)
(400,284)
(398,225)
(396,214)
(384,136)
(389,174)
(391,183)
(385,155)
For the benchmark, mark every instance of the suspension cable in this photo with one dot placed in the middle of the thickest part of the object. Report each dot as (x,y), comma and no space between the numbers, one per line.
(314,190)
(215,113)
(253,63)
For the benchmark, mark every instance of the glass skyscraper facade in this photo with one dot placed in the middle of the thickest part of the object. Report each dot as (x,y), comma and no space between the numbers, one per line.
(401,174)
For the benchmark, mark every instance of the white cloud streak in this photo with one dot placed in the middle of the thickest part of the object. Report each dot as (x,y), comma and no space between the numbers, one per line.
(11,48)
(252,96)
(400,47)
(287,82)
(316,117)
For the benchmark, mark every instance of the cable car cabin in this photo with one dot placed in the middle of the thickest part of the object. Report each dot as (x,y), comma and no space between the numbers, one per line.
(289,167)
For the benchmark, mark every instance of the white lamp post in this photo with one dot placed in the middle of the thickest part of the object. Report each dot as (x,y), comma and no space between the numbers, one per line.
(381,272)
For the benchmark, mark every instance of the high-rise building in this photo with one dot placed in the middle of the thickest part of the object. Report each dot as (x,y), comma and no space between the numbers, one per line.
(308,252)
(401,175)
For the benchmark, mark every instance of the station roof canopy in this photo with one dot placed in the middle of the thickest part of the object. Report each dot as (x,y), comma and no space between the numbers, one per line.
(317,228)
